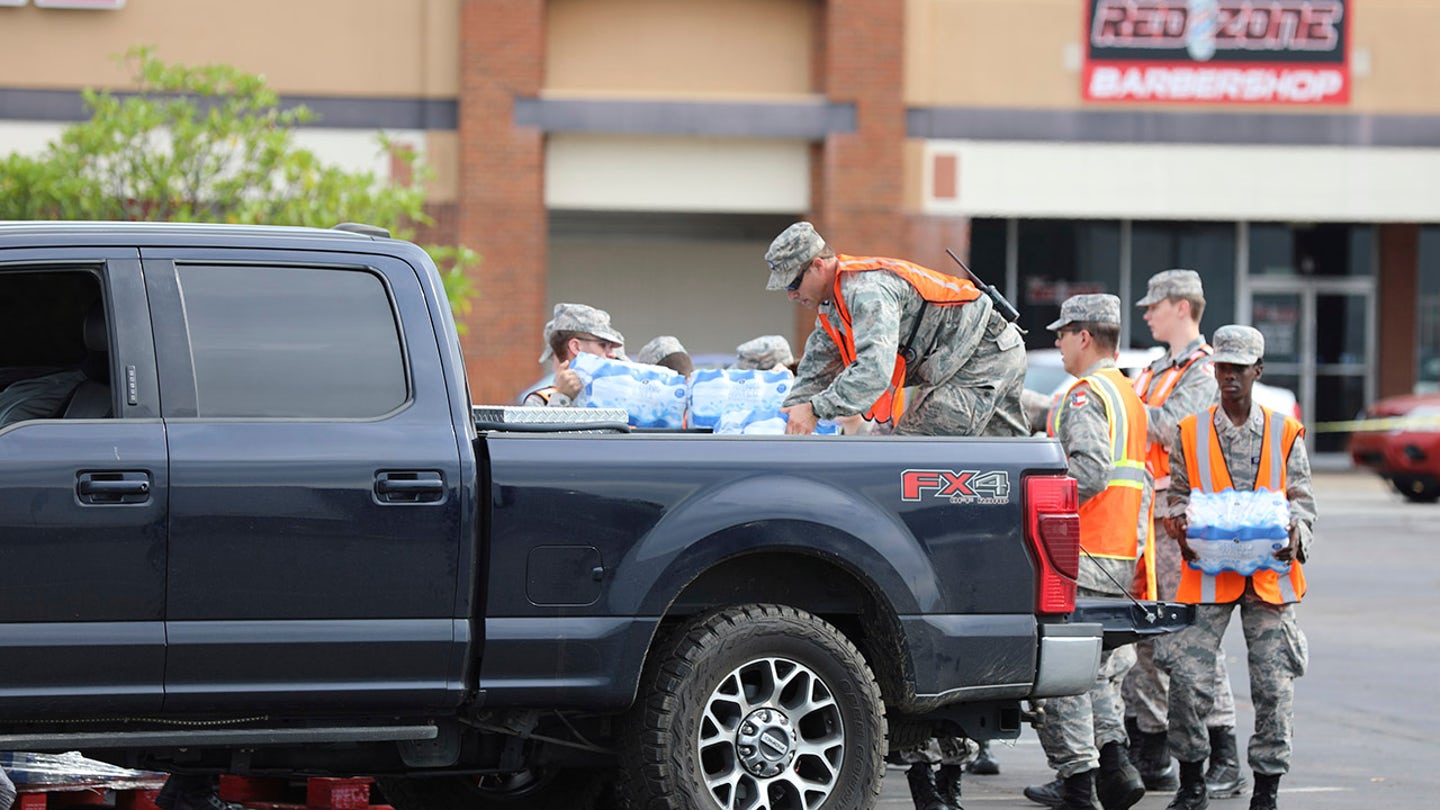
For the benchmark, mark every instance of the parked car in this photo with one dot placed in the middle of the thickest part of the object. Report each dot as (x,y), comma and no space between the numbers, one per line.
(1045,373)
(1402,444)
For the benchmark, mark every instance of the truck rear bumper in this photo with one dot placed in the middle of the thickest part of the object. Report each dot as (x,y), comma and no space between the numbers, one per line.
(1069,658)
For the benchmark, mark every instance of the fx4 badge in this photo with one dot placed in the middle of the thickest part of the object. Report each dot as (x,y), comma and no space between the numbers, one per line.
(964,486)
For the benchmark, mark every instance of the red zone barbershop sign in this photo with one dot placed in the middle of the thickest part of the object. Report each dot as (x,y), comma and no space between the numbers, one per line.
(962,486)
(1218,51)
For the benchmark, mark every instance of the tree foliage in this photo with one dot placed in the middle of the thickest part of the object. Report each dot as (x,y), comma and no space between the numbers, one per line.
(213,144)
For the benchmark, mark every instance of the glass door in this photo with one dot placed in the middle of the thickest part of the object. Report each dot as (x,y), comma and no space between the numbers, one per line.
(1319,344)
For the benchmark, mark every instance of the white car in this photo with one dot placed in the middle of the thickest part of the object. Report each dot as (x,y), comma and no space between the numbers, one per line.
(1045,374)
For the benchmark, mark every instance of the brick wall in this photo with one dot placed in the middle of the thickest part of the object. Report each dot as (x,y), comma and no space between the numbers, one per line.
(500,204)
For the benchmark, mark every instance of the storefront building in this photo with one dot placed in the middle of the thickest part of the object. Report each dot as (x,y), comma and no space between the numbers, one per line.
(638,155)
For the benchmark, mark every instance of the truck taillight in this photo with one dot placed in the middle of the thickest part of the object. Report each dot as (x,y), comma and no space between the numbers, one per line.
(1052,527)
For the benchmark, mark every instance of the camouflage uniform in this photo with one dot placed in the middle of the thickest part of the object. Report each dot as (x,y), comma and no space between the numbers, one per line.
(7,791)
(1277,649)
(570,318)
(1146,688)
(1077,727)
(764,353)
(967,378)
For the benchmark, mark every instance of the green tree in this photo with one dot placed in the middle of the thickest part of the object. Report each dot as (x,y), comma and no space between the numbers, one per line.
(213,144)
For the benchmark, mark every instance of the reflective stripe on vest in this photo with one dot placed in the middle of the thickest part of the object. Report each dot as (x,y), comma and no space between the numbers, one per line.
(1205,463)
(1109,521)
(935,287)
(1157,455)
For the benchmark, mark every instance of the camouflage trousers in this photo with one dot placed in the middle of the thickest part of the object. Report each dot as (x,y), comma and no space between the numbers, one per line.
(1077,727)
(937,751)
(1278,654)
(982,399)
(1147,688)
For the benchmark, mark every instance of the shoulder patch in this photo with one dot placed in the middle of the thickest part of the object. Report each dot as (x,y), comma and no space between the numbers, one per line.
(1079,398)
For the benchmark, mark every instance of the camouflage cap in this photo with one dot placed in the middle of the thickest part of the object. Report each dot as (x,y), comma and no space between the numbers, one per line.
(764,353)
(795,247)
(1167,283)
(1094,308)
(579,318)
(1239,345)
(658,349)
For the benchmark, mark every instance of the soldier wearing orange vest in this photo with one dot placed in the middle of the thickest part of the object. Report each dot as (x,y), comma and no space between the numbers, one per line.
(1101,424)
(1173,387)
(1238,444)
(887,324)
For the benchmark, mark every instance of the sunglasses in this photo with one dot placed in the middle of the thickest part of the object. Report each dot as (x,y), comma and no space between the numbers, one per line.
(795,285)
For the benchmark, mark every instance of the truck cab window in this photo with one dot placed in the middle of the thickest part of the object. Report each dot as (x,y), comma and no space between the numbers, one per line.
(54,347)
(292,342)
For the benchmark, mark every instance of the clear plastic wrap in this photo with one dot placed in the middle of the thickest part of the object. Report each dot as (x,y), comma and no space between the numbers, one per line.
(1237,531)
(653,396)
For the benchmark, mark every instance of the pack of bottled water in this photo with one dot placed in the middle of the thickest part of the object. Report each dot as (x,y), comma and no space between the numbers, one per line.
(653,396)
(766,423)
(740,397)
(1237,531)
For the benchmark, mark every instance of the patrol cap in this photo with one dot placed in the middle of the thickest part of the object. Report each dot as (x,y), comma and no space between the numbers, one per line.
(579,318)
(1238,345)
(1092,308)
(764,352)
(658,349)
(794,248)
(1168,283)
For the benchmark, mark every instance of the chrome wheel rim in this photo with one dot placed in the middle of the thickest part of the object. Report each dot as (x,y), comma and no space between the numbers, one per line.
(771,738)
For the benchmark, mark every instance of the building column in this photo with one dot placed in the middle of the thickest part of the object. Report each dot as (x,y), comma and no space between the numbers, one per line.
(1397,290)
(501,198)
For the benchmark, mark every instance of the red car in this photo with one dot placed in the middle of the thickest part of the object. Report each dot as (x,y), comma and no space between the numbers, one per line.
(1404,444)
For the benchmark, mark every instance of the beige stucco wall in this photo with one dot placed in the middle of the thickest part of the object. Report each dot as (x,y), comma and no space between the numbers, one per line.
(373,48)
(679,48)
(1027,53)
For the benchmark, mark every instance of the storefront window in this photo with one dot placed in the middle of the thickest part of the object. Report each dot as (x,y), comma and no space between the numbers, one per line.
(1058,259)
(1427,322)
(1312,250)
(1208,248)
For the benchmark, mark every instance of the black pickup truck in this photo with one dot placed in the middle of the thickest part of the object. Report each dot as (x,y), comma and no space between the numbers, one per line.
(249,523)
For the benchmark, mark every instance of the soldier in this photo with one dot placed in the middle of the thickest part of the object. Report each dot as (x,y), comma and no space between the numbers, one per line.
(1174,386)
(1101,424)
(1242,445)
(765,353)
(885,324)
(575,328)
(667,351)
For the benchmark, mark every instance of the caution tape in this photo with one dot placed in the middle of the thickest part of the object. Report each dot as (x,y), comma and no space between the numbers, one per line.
(1387,423)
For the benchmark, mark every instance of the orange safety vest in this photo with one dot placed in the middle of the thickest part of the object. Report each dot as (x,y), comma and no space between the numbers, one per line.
(1109,520)
(938,289)
(1157,458)
(1205,463)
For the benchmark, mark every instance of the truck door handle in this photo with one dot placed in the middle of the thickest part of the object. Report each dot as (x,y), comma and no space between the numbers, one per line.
(108,487)
(409,486)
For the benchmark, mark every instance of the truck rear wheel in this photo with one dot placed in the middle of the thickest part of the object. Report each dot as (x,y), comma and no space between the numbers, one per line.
(754,706)
(531,790)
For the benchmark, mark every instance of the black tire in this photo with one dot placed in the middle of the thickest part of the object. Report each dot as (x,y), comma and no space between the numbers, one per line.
(532,790)
(760,700)
(1418,490)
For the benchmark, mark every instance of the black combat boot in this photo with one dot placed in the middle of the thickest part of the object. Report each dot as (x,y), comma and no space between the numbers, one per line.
(1118,784)
(1224,779)
(191,792)
(1050,794)
(983,764)
(1133,736)
(1191,795)
(1079,792)
(1156,769)
(1267,785)
(922,788)
(947,783)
